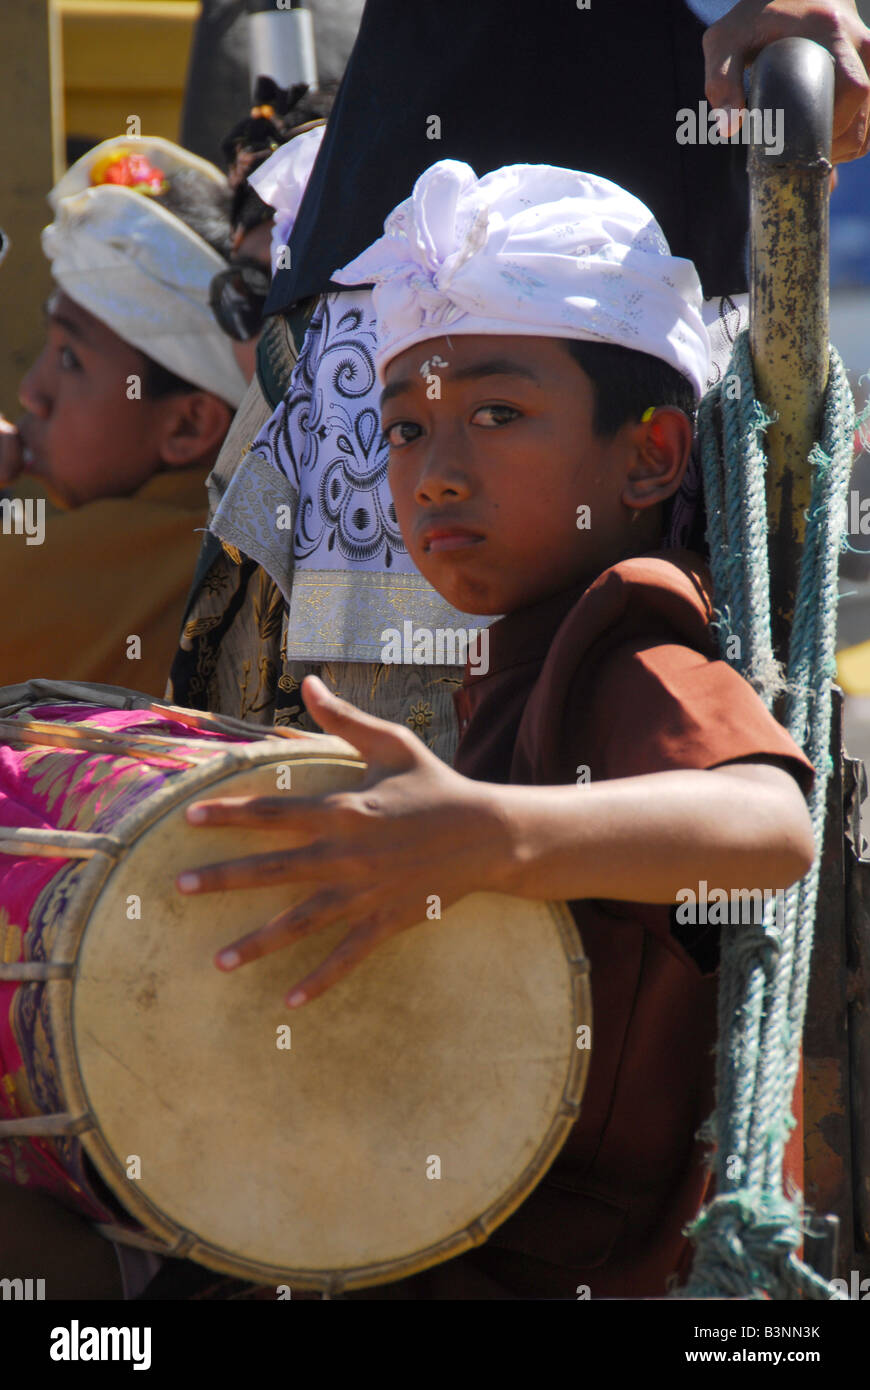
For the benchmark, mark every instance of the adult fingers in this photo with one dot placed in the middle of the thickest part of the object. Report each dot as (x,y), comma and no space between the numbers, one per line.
(724,60)
(851,100)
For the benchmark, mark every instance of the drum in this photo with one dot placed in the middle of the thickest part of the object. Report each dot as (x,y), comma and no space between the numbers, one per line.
(388,1125)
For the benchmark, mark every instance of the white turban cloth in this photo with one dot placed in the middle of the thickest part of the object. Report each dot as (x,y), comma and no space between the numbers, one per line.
(164,154)
(281,181)
(533,250)
(141,271)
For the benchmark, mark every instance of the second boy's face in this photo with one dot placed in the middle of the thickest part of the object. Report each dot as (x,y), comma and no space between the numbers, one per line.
(82,434)
(492,453)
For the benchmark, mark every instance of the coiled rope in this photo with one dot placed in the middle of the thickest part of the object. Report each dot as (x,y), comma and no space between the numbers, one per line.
(747,1237)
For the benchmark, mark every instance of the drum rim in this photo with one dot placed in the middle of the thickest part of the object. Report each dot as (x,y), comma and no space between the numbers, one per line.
(179,1241)
(182,1242)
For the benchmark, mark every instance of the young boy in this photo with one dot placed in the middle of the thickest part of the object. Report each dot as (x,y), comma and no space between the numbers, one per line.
(125,410)
(541,353)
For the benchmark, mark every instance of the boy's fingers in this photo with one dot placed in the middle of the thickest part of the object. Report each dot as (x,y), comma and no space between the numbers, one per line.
(354,948)
(256,871)
(11,460)
(284,930)
(377,740)
(308,814)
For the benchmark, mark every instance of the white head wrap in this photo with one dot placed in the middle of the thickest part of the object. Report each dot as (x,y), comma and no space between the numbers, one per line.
(141,270)
(165,154)
(534,250)
(281,181)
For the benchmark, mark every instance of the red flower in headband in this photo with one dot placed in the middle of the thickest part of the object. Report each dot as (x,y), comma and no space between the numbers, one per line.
(129,170)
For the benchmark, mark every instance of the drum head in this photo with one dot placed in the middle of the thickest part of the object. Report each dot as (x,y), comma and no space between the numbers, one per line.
(406,1112)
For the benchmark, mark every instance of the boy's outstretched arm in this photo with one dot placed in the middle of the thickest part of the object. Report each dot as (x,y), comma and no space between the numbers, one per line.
(417,828)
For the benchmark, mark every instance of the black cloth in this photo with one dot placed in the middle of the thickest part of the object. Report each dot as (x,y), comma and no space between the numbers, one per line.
(511,83)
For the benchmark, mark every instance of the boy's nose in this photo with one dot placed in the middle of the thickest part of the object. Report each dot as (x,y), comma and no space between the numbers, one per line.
(33,392)
(445,476)
(440,489)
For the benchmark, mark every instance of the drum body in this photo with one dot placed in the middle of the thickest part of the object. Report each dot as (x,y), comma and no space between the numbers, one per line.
(388,1125)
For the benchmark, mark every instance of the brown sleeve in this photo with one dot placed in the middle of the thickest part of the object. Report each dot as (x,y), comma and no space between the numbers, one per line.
(662,706)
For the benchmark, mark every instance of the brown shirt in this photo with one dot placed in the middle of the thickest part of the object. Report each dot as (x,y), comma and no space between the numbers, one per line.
(621,679)
(106,571)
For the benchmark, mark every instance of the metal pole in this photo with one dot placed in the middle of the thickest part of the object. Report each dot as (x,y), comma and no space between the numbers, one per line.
(793,84)
(792,88)
(282,45)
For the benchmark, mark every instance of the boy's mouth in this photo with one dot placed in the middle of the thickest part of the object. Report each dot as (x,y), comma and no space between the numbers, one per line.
(435,538)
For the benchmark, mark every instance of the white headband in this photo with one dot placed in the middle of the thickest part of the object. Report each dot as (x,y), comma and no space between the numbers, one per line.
(534,250)
(281,181)
(143,272)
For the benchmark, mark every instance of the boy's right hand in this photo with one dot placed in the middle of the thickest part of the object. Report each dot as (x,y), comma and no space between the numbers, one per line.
(11,460)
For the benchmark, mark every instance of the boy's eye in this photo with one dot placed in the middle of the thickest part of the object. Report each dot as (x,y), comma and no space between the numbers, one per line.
(494,415)
(68,360)
(402,432)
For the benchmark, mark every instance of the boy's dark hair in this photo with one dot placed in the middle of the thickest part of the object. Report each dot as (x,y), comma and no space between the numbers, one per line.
(159,381)
(204,206)
(248,209)
(292,106)
(627,382)
(256,138)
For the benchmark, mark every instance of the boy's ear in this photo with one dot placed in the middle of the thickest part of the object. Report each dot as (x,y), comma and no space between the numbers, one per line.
(193,428)
(661,448)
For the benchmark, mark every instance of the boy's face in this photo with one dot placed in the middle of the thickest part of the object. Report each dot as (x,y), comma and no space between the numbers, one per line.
(81,433)
(488,479)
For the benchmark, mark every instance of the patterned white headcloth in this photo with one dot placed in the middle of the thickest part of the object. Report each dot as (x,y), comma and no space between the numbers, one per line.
(281,181)
(535,250)
(141,270)
(165,154)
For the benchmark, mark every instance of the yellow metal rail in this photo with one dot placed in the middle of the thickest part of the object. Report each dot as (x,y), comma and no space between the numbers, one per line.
(124,58)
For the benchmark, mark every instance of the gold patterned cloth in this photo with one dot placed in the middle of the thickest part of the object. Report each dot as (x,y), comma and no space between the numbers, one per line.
(310,501)
(232,653)
(232,660)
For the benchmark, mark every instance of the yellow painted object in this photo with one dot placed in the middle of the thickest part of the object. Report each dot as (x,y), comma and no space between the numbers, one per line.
(853,669)
(30,102)
(124,58)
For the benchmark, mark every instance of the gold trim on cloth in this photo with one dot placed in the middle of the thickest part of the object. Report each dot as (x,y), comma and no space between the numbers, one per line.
(257,515)
(340,614)
(249,419)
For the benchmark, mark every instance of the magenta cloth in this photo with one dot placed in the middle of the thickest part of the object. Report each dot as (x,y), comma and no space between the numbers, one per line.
(46,787)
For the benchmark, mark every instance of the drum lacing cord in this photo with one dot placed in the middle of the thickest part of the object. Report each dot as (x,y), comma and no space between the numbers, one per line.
(746,1238)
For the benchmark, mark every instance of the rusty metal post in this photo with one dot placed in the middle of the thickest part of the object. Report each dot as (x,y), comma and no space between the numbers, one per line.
(793,89)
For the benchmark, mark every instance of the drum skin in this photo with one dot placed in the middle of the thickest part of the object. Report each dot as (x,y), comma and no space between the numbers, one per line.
(388,1125)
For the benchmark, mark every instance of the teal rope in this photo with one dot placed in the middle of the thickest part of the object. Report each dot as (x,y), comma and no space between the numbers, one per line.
(746,1237)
